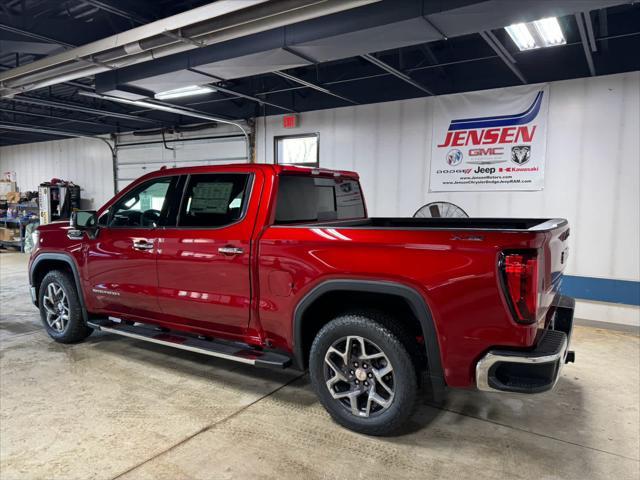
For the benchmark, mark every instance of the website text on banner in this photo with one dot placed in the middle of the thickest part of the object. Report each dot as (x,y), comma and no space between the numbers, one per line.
(490,140)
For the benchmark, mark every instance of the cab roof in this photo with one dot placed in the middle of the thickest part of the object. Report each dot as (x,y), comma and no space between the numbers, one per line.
(250,167)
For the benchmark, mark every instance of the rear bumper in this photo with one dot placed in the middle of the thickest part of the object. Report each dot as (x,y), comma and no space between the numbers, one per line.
(531,371)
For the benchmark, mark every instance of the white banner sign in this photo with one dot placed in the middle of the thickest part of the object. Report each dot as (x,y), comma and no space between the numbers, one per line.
(490,140)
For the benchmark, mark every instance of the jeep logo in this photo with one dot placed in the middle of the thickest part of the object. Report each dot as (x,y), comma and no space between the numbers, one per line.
(484,170)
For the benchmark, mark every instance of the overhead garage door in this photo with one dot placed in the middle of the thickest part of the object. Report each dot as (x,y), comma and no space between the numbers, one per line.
(140,158)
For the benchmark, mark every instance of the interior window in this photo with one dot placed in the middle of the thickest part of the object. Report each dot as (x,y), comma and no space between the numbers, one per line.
(300,150)
(313,199)
(214,200)
(143,206)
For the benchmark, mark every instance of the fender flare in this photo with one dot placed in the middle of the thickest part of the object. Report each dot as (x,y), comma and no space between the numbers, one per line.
(416,302)
(68,259)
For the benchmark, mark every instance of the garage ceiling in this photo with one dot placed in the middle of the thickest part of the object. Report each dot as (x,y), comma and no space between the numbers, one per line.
(389,50)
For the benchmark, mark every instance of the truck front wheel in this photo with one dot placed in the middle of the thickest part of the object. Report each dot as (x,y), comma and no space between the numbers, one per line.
(60,308)
(363,373)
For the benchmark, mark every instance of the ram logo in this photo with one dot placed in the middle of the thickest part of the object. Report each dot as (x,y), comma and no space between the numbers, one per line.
(520,154)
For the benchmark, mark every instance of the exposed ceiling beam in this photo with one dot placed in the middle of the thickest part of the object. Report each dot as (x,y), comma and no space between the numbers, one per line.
(503,53)
(82,109)
(19,127)
(35,36)
(209,24)
(585,43)
(312,86)
(590,35)
(239,94)
(380,75)
(117,11)
(395,72)
(604,27)
(55,117)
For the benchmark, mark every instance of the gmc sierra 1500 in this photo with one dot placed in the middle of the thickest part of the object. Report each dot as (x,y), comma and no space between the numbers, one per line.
(280,266)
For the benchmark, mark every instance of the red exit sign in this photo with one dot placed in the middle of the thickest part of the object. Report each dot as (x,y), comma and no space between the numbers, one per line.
(290,121)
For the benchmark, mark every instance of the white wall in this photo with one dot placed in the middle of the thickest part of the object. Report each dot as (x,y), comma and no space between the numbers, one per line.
(88,163)
(592,172)
(85,162)
(592,175)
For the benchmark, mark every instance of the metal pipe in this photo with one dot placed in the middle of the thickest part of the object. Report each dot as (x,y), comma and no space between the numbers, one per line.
(241,95)
(128,48)
(79,108)
(396,73)
(117,11)
(172,109)
(313,86)
(35,36)
(189,17)
(47,131)
(54,117)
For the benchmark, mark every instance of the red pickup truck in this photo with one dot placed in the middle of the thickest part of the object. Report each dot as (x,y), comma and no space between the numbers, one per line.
(281,267)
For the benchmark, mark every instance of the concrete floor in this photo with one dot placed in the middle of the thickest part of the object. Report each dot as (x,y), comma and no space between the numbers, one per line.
(117,408)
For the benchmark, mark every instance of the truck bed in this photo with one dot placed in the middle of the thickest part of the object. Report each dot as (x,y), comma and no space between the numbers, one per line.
(478,223)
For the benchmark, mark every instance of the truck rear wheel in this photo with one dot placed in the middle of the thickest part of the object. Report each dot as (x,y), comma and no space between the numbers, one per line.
(363,373)
(60,308)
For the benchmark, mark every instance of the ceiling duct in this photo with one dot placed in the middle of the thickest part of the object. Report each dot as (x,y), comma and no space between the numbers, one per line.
(225,20)
(382,26)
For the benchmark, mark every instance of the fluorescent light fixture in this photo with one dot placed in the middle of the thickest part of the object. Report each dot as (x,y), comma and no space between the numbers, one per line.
(184,92)
(550,31)
(545,32)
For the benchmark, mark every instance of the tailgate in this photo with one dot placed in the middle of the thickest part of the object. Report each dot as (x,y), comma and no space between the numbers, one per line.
(555,255)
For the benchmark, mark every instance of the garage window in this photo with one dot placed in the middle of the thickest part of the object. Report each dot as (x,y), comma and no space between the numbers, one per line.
(301,150)
(214,200)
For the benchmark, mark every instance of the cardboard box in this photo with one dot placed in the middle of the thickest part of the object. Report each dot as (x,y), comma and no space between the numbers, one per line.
(6,187)
(9,234)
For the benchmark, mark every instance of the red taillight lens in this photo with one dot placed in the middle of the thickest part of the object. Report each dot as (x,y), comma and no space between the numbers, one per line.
(520,273)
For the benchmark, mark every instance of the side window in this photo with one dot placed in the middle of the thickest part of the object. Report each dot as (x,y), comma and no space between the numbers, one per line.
(143,206)
(214,200)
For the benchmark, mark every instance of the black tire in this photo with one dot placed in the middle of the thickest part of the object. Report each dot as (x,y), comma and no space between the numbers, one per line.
(69,326)
(379,331)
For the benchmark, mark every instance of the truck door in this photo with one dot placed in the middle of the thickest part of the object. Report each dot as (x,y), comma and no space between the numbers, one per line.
(121,260)
(204,258)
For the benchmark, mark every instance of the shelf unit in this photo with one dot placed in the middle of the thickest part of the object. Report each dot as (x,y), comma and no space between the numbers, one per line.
(21,221)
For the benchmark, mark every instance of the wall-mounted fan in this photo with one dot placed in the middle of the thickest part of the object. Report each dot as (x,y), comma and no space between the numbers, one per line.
(440,210)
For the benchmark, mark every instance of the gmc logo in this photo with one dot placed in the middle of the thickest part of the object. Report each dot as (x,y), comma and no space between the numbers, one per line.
(479,152)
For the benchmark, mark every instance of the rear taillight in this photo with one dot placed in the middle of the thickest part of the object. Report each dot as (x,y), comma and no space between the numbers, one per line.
(520,277)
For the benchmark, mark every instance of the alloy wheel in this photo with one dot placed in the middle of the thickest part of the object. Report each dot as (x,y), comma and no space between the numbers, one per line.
(360,376)
(56,306)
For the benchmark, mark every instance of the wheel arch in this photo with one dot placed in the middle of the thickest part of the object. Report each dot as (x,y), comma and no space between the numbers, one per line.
(411,298)
(45,262)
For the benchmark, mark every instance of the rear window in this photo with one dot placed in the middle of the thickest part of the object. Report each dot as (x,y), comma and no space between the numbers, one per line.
(313,199)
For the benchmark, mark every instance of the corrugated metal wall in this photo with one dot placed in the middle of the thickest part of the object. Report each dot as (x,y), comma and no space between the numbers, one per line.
(592,170)
(84,161)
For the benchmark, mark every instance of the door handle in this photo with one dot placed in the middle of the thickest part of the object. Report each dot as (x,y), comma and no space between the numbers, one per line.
(142,245)
(230,250)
